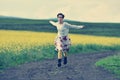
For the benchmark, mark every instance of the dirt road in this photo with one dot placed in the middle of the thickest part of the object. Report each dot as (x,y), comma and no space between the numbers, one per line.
(79,67)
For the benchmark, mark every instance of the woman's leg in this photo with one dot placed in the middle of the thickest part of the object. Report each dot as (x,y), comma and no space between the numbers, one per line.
(60,54)
(65,54)
(59,57)
(65,58)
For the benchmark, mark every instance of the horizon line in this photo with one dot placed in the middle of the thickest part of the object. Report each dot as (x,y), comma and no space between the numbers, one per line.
(19,17)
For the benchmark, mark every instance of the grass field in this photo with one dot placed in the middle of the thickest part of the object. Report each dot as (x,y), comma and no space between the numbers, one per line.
(99,29)
(18,47)
(111,63)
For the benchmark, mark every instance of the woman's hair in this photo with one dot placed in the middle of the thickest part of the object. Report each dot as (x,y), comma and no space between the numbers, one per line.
(61,15)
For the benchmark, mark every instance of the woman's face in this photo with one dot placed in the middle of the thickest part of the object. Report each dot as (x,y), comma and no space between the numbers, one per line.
(60,18)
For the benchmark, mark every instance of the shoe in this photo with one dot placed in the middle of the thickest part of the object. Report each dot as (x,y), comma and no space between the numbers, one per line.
(65,60)
(59,62)
(59,65)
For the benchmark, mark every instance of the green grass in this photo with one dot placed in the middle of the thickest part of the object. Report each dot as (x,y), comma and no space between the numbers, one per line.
(37,53)
(88,48)
(111,63)
(100,29)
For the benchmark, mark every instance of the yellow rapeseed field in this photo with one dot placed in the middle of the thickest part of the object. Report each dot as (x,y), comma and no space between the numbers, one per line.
(17,40)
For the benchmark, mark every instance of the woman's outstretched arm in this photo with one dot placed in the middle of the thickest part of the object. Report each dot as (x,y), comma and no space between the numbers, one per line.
(75,26)
(53,23)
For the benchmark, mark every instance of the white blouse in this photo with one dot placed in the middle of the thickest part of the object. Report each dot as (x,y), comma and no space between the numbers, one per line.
(63,29)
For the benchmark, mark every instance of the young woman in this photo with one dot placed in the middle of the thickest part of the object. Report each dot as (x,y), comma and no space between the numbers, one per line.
(62,41)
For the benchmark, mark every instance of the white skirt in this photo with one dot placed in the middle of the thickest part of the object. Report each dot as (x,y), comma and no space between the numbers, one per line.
(62,43)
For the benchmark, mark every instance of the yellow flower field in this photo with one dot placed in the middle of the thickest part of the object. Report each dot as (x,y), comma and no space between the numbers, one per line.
(18,40)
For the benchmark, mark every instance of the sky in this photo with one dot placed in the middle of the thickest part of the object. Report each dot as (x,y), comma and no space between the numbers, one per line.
(79,10)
